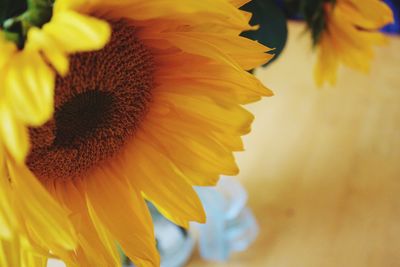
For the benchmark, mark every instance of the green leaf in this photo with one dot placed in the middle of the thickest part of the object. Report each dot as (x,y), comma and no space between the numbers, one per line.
(18,16)
(40,12)
(273,25)
(11,8)
(292,8)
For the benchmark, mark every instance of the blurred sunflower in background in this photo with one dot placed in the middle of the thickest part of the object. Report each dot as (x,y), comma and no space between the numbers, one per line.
(104,104)
(347,32)
(343,32)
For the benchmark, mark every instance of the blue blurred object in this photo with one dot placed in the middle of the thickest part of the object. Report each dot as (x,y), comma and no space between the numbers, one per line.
(174,243)
(394,28)
(230,226)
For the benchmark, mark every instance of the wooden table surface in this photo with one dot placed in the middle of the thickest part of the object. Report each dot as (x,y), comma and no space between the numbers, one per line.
(322,167)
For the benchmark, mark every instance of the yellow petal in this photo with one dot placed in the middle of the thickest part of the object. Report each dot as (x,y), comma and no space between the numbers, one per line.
(10,252)
(75,32)
(147,10)
(62,5)
(122,210)
(31,258)
(326,67)
(13,134)
(239,3)
(45,218)
(174,196)
(7,217)
(253,56)
(96,246)
(39,40)
(17,252)
(193,147)
(7,50)
(233,117)
(376,13)
(105,238)
(29,88)
(185,66)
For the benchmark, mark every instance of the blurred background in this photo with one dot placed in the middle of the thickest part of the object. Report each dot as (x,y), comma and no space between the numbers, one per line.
(322,166)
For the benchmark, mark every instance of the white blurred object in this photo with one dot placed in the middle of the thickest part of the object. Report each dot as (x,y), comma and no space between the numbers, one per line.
(55,263)
(230,226)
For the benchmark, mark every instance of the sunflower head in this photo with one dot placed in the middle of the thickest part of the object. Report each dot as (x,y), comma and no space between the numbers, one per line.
(347,34)
(98,107)
(110,104)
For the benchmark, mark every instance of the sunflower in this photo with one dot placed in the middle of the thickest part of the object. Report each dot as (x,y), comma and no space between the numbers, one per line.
(142,101)
(351,32)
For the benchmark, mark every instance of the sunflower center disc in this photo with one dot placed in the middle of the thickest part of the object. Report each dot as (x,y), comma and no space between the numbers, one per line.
(98,107)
